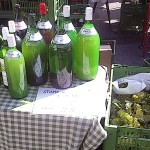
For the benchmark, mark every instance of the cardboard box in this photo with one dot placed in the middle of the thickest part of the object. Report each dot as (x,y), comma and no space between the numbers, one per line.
(106,57)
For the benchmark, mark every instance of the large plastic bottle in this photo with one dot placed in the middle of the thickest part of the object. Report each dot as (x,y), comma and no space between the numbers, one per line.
(15,70)
(3,52)
(21,27)
(71,32)
(87,49)
(60,60)
(35,55)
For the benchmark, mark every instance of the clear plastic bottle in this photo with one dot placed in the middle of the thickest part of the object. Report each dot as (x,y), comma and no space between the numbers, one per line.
(21,27)
(71,32)
(87,49)
(12,30)
(60,60)
(3,51)
(15,70)
(34,52)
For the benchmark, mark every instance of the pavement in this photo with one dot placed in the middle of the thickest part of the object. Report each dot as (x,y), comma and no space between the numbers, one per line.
(128,43)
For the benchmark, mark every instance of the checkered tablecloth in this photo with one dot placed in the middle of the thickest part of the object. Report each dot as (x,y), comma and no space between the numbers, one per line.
(20,130)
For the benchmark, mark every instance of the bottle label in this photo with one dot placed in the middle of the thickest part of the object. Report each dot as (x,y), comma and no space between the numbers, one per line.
(35,37)
(64,78)
(62,39)
(4,76)
(20,25)
(37,67)
(69,26)
(44,25)
(88,32)
(13,54)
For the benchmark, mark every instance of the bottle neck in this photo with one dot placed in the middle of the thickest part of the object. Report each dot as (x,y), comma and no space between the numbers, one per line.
(12,48)
(43,18)
(31,23)
(67,19)
(88,21)
(18,16)
(5,43)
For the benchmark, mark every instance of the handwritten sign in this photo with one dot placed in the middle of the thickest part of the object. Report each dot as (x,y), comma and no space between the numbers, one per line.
(87,99)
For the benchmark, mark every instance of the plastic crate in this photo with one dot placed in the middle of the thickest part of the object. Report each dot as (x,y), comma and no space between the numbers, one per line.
(132,16)
(146,62)
(6,10)
(120,137)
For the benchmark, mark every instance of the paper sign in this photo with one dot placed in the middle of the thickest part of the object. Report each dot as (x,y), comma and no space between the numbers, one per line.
(83,100)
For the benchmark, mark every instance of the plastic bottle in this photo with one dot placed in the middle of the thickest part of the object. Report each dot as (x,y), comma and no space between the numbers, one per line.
(61,60)
(34,52)
(3,51)
(87,50)
(12,30)
(15,69)
(71,32)
(21,27)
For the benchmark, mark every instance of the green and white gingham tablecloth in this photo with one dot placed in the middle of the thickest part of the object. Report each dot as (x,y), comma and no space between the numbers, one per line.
(22,130)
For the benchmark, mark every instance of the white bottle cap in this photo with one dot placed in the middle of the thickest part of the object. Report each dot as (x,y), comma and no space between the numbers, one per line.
(11,40)
(5,32)
(11,26)
(88,13)
(66,11)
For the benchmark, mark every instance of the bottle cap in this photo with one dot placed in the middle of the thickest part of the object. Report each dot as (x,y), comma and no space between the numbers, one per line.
(42,7)
(5,32)
(88,13)
(66,11)
(11,40)
(17,6)
(11,26)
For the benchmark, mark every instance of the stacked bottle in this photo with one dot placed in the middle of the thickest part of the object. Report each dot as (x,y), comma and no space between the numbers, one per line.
(3,51)
(20,25)
(12,30)
(71,32)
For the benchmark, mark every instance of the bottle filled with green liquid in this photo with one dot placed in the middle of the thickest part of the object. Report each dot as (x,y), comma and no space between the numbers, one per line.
(3,51)
(34,52)
(60,60)
(15,70)
(71,32)
(87,49)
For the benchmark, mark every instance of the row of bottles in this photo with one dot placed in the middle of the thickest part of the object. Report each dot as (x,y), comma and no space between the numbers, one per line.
(65,53)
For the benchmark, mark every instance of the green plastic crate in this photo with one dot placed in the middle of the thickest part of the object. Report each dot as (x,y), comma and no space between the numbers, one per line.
(119,137)
(132,16)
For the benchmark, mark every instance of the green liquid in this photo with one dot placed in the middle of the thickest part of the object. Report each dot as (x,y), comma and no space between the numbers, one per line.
(16,76)
(61,65)
(73,36)
(35,56)
(87,55)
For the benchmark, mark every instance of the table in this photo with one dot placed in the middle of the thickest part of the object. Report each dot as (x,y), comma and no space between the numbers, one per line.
(21,129)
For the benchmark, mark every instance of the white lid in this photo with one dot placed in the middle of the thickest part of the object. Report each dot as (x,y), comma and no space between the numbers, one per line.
(11,40)
(11,26)
(66,11)
(5,32)
(88,13)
